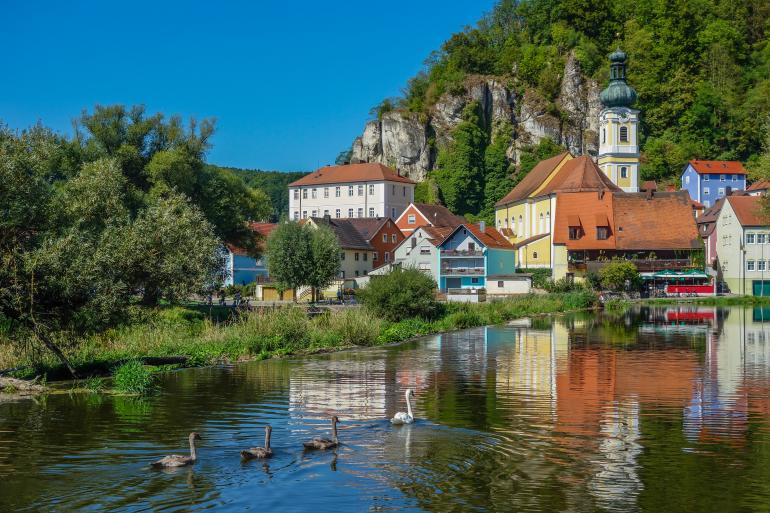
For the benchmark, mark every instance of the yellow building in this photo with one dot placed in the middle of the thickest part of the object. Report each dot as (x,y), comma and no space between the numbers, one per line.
(527,214)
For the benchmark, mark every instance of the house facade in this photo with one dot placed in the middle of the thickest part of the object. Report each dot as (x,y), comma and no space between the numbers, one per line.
(743,246)
(709,180)
(242,268)
(350,191)
(356,254)
(473,257)
(382,234)
(422,214)
(420,250)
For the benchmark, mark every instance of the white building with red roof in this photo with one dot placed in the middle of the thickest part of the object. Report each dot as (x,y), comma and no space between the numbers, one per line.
(351,190)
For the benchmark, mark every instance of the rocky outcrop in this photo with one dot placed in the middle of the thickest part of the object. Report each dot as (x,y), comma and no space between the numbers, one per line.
(408,143)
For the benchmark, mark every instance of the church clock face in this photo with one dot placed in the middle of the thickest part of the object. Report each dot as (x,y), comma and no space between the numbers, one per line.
(624,117)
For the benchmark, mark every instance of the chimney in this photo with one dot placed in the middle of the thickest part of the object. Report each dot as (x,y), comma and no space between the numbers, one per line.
(482,226)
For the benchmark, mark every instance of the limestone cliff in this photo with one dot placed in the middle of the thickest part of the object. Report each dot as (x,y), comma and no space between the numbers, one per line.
(404,141)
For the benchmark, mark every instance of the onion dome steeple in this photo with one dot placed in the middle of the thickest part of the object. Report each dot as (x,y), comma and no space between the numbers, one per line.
(618,93)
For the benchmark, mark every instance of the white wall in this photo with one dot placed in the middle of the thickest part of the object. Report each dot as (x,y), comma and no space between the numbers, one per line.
(381,200)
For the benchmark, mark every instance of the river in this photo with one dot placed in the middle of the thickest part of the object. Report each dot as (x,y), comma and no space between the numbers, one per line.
(654,409)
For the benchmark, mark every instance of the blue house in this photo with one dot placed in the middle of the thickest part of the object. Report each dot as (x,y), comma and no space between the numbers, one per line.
(709,180)
(474,257)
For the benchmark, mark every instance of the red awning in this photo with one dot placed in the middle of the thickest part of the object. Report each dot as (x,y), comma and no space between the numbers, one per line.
(573,220)
(601,219)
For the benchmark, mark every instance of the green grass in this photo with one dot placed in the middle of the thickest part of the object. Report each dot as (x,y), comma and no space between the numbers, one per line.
(276,332)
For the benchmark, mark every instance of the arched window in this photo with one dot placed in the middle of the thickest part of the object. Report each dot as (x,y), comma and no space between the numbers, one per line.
(624,172)
(521,227)
(542,224)
(604,135)
(624,134)
(548,221)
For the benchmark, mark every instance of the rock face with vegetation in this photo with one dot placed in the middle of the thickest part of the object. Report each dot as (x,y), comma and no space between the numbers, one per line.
(534,69)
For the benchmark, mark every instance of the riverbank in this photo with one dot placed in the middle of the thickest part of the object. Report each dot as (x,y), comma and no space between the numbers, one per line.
(197,340)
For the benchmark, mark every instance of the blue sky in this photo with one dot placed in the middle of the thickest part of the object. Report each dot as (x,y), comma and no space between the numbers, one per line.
(290,83)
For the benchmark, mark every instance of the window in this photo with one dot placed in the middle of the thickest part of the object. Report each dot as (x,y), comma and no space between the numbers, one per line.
(356,257)
(337,213)
(735,178)
(404,190)
(411,219)
(624,134)
(760,265)
(350,212)
(393,212)
(371,212)
(296,215)
(624,172)
(604,135)
(366,257)
(326,213)
(337,192)
(393,190)
(313,194)
(296,194)
(424,251)
(749,265)
(371,190)
(304,214)
(315,213)
(602,233)
(687,180)
(499,284)
(721,178)
(749,238)
(361,212)
(534,255)
(574,232)
(414,243)
(548,221)
(350,190)
(387,256)
(706,178)
(707,203)
(384,237)
(342,274)
(760,238)
(360,190)
(357,273)
(721,191)
(326,192)
(304,193)
(542,224)
(471,246)
(474,280)
(521,227)
(392,238)
(706,191)
(374,256)
(342,256)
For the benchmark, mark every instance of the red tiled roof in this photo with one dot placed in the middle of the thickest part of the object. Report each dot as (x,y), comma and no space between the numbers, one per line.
(533,180)
(438,215)
(366,172)
(490,237)
(508,232)
(580,209)
(437,234)
(748,210)
(580,174)
(529,241)
(759,185)
(717,167)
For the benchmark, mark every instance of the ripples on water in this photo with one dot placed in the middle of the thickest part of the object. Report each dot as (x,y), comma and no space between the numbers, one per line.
(661,409)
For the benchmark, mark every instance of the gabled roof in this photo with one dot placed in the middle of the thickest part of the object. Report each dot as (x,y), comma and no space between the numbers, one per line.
(366,172)
(748,210)
(437,234)
(368,226)
(438,215)
(759,185)
(534,179)
(347,235)
(717,167)
(530,240)
(580,174)
(634,219)
(490,237)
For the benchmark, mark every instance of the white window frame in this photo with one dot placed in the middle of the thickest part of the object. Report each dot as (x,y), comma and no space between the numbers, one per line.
(337,213)
(337,192)
(371,211)
(750,265)
(750,238)
(722,178)
(304,193)
(314,193)
(371,189)
(393,238)
(411,219)
(760,265)
(350,212)
(721,192)
(761,238)
(326,192)
(706,191)
(296,215)
(687,180)
(623,172)
(360,212)
(296,194)
(350,190)
(706,178)
(387,256)
(360,190)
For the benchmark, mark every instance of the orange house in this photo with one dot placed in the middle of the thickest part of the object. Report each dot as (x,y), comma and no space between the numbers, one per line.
(422,214)
(383,235)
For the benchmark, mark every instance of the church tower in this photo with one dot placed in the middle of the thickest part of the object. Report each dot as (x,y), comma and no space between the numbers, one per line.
(619,128)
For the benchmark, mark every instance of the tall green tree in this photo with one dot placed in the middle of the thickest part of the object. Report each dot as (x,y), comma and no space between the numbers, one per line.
(289,255)
(460,166)
(325,264)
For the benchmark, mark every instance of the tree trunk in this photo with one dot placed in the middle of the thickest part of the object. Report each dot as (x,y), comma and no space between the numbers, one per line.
(47,342)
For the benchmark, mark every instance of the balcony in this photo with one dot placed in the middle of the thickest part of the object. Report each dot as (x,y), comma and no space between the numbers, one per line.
(643,265)
(462,271)
(461,253)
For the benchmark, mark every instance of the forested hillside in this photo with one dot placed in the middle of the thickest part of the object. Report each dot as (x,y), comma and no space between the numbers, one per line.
(272,183)
(701,69)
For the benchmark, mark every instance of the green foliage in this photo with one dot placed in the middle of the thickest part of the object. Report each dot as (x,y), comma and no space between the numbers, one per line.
(134,378)
(426,192)
(324,264)
(460,166)
(400,294)
(498,171)
(541,276)
(273,183)
(616,274)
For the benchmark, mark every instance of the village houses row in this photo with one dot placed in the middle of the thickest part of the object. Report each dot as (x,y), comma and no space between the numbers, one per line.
(569,214)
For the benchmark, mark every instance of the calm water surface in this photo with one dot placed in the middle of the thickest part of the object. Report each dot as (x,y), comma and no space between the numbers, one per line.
(659,409)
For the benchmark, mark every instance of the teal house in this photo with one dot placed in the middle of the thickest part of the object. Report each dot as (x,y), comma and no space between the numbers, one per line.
(475,257)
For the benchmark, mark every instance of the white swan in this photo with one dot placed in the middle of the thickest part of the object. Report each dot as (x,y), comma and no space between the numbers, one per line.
(408,417)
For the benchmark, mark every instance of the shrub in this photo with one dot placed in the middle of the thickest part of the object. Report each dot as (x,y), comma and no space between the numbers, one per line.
(134,378)
(618,273)
(355,326)
(401,294)
(540,276)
